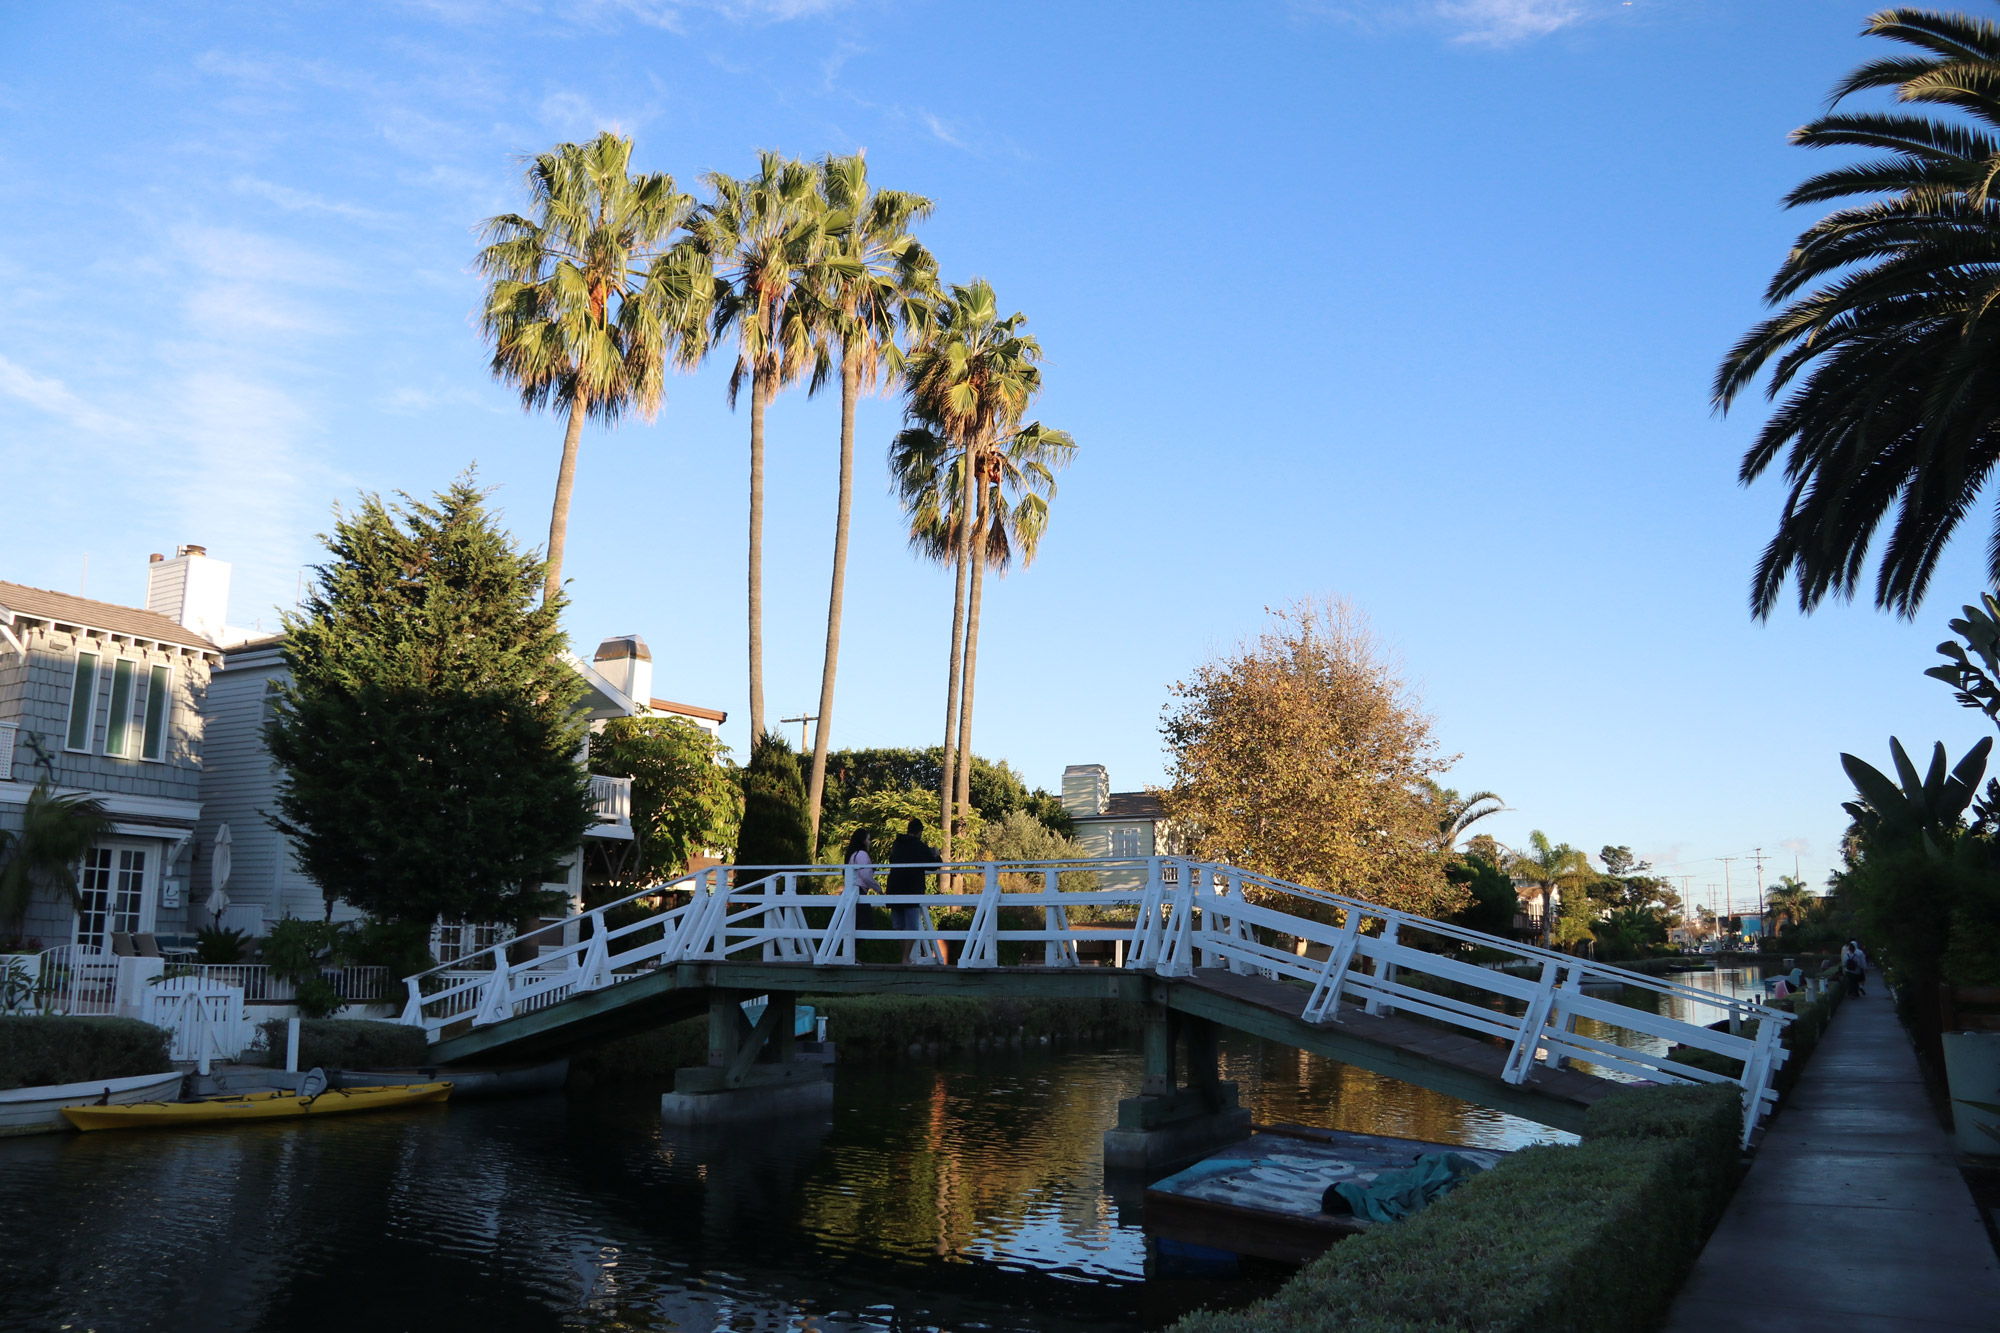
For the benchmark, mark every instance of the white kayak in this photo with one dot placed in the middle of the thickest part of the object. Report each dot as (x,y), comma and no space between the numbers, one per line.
(39,1110)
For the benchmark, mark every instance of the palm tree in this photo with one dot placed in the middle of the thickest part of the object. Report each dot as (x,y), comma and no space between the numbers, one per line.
(55,832)
(759,241)
(576,308)
(1890,364)
(870,271)
(1457,813)
(1789,900)
(972,374)
(1550,867)
(1016,480)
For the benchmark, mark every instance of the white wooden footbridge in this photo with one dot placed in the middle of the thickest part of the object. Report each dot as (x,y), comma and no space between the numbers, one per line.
(1539,1034)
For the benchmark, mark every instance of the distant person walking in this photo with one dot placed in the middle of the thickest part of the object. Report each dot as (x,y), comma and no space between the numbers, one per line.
(1860,957)
(1851,969)
(859,857)
(907,859)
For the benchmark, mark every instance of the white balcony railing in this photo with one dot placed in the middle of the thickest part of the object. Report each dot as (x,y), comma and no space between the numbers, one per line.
(612,798)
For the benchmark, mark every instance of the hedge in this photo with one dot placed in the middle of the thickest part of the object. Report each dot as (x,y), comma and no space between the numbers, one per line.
(348,1043)
(38,1051)
(869,1026)
(1594,1237)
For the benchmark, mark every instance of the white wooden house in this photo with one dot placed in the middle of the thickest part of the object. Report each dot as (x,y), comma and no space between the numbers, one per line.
(1116,824)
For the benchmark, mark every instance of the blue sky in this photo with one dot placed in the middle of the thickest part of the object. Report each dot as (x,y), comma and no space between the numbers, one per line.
(1413,302)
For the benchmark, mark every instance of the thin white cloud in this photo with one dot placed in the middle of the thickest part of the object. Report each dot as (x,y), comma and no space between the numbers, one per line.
(940,130)
(301,201)
(1483,22)
(51,395)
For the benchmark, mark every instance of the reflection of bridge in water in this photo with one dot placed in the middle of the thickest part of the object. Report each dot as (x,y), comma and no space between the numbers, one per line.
(1378,989)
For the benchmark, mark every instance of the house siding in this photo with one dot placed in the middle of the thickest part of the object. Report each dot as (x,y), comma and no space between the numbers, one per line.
(35,689)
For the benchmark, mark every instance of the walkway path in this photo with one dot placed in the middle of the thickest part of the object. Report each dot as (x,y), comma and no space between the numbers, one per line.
(1853,1215)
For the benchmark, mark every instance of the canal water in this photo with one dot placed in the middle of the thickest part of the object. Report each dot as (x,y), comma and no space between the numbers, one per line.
(966,1194)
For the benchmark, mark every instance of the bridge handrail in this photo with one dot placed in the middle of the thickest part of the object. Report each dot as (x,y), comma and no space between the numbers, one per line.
(1178,908)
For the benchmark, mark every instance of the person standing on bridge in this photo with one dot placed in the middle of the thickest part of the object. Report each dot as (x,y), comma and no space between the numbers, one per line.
(858,856)
(907,859)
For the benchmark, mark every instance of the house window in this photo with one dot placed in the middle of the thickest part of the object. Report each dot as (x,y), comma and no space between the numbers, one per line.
(1126,841)
(118,729)
(112,897)
(82,702)
(159,705)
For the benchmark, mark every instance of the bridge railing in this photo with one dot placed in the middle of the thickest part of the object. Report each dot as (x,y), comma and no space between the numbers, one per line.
(1172,914)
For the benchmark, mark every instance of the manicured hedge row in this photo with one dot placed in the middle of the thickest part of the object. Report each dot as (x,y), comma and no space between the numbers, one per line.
(1595,1237)
(44,1050)
(347,1043)
(868,1027)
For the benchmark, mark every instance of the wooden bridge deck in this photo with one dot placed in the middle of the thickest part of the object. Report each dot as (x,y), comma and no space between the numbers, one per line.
(1421,1053)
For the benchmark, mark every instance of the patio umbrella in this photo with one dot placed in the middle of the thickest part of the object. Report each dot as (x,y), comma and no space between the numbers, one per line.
(218,873)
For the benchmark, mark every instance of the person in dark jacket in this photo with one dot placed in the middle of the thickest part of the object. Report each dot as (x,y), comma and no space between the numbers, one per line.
(907,857)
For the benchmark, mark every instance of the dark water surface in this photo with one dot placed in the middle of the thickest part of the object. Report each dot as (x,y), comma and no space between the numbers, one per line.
(963,1195)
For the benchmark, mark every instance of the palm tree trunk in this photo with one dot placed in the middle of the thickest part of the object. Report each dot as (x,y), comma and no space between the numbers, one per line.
(971,672)
(1546,923)
(565,483)
(946,788)
(760,393)
(850,389)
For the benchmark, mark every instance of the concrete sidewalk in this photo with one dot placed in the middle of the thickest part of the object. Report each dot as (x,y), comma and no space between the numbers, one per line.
(1853,1215)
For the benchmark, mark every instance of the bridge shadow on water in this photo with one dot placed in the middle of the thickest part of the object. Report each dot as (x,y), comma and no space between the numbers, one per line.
(966,1194)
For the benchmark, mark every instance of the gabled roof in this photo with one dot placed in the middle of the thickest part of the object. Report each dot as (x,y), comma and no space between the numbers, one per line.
(1130,805)
(18,600)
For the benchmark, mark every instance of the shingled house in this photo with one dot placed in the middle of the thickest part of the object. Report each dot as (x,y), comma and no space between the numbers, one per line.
(106,701)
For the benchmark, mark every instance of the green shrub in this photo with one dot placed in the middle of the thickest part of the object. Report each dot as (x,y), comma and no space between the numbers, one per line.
(217,944)
(348,1043)
(1595,1237)
(44,1050)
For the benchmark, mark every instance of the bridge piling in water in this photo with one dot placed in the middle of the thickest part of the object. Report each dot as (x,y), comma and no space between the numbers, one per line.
(1170,1123)
(752,1072)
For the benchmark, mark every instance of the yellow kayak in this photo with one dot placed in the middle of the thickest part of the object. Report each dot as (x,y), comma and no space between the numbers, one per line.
(255,1106)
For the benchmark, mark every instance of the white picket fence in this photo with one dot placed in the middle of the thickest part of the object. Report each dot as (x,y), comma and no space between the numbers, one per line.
(1186,914)
(207,1018)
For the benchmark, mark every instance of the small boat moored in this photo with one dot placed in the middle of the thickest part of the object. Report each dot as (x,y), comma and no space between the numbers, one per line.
(278,1105)
(38,1110)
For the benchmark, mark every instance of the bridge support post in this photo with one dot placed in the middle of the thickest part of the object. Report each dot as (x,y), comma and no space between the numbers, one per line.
(1172,1122)
(751,1072)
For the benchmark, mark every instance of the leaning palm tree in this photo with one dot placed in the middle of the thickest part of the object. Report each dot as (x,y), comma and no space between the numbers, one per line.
(1015,482)
(870,271)
(577,308)
(1457,813)
(1550,867)
(1886,348)
(759,240)
(1789,900)
(972,374)
(43,853)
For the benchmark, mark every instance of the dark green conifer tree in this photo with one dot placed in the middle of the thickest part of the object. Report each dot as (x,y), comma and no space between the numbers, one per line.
(776,830)
(430,730)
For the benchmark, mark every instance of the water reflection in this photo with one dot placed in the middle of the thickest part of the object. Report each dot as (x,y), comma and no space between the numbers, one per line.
(968,1194)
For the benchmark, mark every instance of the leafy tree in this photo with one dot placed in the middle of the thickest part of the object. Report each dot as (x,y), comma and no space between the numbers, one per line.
(1626,884)
(1552,867)
(1629,932)
(1303,756)
(868,273)
(55,833)
(1493,900)
(759,242)
(997,789)
(430,728)
(1015,485)
(683,802)
(580,306)
(884,812)
(774,830)
(972,375)
(1888,361)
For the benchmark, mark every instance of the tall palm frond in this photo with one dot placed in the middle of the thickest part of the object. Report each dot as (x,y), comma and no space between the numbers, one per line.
(579,308)
(1884,357)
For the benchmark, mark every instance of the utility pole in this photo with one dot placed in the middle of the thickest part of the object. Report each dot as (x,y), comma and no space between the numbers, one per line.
(1760,888)
(802,719)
